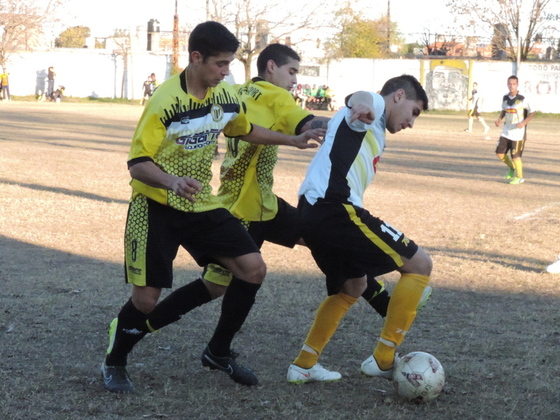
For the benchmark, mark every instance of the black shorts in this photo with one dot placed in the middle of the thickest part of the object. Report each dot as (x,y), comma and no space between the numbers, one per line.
(514,147)
(155,232)
(348,242)
(284,229)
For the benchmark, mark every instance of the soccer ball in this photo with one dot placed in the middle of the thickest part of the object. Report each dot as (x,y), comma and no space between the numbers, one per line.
(418,377)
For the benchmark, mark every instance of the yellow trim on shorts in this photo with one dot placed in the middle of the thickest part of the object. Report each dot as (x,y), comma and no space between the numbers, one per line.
(217,274)
(380,243)
(136,241)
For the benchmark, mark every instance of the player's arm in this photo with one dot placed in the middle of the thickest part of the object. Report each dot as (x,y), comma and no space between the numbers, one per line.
(261,135)
(500,118)
(150,174)
(361,107)
(526,120)
(316,122)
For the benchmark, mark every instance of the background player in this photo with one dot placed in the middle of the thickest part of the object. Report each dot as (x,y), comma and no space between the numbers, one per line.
(475,101)
(346,241)
(517,112)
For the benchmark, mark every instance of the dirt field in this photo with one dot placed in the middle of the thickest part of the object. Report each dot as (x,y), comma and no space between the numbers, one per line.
(493,321)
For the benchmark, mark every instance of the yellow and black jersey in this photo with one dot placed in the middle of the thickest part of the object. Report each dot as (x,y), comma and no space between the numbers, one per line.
(246,174)
(178,132)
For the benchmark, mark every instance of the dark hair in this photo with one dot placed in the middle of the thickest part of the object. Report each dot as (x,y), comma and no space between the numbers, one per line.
(513,78)
(279,53)
(212,38)
(412,88)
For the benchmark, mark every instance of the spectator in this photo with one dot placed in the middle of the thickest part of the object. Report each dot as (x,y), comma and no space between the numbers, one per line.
(312,97)
(5,85)
(58,94)
(329,98)
(300,96)
(51,76)
(321,91)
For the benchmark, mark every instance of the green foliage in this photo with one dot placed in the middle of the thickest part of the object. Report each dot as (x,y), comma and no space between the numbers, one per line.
(100,43)
(360,38)
(74,37)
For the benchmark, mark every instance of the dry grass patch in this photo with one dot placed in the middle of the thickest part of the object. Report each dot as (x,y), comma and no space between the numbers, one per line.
(493,320)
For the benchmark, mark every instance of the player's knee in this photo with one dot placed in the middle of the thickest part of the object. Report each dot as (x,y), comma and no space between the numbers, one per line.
(145,299)
(215,290)
(354,287)
(420,263)
(424,264)
(144,304)
(256,273)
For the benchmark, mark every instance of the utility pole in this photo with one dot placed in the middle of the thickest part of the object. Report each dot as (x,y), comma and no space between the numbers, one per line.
(388,27)
(175,55)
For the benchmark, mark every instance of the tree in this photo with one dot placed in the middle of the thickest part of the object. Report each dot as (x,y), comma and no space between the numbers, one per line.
(121,39)
(512,24)
(74,37)
(360,38)
(256,24)
(21,24)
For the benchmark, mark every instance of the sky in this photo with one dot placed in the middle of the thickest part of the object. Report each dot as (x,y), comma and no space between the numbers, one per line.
(103,16)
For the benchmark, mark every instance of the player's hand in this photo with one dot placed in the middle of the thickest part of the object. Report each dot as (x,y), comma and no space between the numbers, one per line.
(362,112)
(186,187)
(498,122)
(302,141)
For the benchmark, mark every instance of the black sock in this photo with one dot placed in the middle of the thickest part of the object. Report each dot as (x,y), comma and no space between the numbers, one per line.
(131,328)
(236,305)
(377,299)
(178,303)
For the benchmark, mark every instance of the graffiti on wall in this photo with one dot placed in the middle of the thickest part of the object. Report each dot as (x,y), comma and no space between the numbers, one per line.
(447,84)
(542,79)
(541,83)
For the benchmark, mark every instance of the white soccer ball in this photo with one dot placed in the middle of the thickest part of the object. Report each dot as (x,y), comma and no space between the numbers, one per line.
(418,377)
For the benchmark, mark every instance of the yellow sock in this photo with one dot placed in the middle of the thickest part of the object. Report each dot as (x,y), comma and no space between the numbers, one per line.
(518,167)
(507,160)
(400,315)
(328,316)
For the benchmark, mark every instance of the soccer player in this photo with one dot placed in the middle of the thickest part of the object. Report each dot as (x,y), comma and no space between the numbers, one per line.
(518,112)
(475,101)
(346,241)
(172,205)
(246,184)
(247,170)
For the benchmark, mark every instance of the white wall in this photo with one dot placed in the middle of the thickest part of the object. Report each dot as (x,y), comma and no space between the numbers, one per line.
(85,72)
(96,72)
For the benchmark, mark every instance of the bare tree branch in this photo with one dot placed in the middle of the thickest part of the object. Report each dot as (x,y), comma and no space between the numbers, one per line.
(256,23)
(508,21)
(21,24)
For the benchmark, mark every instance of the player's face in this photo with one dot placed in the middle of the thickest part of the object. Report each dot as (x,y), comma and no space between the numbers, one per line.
(285,76)
(403,115)
(215,68)
(512,86)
